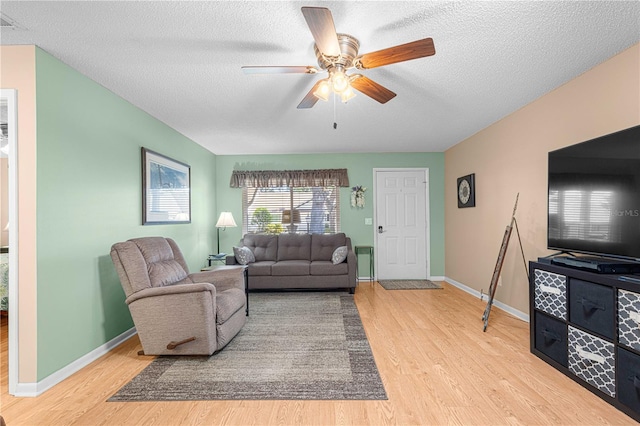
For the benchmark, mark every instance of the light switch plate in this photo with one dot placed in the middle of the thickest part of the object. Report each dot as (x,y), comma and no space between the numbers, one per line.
(368,221)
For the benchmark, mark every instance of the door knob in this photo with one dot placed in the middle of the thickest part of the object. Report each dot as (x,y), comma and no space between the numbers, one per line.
(380,230)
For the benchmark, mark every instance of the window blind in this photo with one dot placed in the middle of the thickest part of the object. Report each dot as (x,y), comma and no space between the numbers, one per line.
(316,210)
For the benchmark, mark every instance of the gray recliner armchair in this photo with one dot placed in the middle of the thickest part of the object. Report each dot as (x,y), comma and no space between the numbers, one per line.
(175,312)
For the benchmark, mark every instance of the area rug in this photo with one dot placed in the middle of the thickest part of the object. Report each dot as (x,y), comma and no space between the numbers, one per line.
(409,284)
(298,345)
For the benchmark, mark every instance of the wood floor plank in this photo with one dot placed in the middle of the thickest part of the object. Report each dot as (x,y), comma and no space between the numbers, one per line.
(436,363)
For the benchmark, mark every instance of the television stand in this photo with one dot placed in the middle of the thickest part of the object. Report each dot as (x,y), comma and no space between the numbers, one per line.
(584,325)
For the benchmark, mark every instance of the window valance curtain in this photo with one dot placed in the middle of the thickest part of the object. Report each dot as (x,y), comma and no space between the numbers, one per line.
(290,178)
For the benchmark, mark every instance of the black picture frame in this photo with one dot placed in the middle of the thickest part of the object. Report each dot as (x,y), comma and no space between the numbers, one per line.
(466,191)
(166,190)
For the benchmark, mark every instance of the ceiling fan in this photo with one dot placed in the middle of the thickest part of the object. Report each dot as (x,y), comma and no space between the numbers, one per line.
(337,53)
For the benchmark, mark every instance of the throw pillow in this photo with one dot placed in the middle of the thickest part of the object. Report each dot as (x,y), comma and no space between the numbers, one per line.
(244,255)
(339,255)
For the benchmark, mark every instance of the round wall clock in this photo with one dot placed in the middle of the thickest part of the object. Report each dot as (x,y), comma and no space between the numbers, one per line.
(466,191)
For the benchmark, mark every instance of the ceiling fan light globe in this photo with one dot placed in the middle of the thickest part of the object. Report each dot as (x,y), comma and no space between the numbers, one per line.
(348,94)
(339,81)
(323,91)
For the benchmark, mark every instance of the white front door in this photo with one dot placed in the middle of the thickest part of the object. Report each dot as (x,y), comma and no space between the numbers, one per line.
(401,225)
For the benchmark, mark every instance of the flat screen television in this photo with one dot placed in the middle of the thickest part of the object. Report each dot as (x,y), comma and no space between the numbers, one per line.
(594,197)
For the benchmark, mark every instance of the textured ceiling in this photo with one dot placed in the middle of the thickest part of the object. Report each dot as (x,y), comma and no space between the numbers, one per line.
(180,62)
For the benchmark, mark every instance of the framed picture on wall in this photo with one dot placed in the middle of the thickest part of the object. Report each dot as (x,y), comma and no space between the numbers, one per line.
(466,188)
(166,190)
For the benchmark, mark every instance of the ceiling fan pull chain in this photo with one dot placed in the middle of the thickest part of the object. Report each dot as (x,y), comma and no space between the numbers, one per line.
(335,123)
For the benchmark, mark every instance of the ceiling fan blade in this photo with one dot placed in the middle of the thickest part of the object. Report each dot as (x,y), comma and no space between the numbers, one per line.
(372,89)
(404,52)
(309,99)
(279,70)
(320,22)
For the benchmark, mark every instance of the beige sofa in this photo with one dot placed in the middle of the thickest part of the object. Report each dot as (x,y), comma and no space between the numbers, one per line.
(298,261)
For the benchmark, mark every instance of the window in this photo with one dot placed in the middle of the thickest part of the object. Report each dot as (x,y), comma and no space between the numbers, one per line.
(301,201)
(316,210)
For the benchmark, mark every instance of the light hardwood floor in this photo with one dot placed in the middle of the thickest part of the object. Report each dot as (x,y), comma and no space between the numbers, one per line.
(437,365)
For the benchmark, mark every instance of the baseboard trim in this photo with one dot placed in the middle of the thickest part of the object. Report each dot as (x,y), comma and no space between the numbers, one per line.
(508,309)
(36,389)
(433,278)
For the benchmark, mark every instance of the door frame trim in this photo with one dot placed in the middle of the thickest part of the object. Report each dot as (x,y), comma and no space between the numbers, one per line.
(11,96)
(427,236)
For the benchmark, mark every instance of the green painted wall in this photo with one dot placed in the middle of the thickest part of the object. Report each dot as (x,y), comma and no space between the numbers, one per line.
(89,197)
(360,168)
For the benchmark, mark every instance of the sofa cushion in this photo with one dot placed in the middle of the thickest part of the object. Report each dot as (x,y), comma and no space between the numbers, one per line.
(260,268)
(326,267)
(243,255)
(294,247)
(290,267)
(264,247)
(323,245)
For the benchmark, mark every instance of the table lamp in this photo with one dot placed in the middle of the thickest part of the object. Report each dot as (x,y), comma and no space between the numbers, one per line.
(225,220)
(287,218)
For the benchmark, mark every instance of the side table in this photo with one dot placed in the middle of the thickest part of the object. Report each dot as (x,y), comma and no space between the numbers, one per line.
(245,277)
(368,250)
(220,257)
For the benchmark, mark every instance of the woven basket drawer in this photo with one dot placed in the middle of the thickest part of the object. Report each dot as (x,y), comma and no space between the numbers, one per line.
(592,359)
(629,319)
(551,337)
(629,379)
(592,306)
(550,293)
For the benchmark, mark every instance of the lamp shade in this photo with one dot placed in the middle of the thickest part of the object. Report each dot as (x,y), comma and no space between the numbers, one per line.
(226,220)
(286,216)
